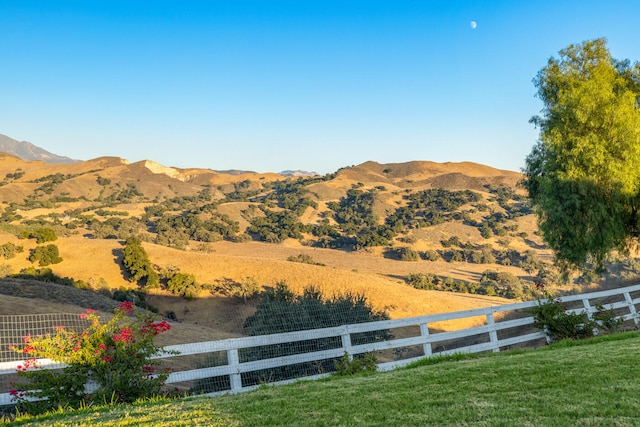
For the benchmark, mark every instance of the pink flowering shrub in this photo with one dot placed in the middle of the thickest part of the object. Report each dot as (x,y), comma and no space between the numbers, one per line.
(107,362)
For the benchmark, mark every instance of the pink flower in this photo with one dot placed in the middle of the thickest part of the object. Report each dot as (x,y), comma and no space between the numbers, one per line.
(107,359)
(156,328)
(125,335)
(126,307)
(87,312)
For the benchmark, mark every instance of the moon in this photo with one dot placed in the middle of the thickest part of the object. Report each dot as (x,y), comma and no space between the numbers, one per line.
(473,25)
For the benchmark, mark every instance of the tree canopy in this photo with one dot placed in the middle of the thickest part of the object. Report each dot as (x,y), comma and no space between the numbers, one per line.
(583,175)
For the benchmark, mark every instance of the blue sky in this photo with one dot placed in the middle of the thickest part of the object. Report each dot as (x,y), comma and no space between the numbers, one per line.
(272,85)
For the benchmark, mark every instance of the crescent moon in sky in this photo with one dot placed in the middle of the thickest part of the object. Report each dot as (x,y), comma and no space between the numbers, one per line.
(473,24)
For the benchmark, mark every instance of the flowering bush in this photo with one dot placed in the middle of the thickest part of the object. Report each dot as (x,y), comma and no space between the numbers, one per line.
(551,316)
(107,362)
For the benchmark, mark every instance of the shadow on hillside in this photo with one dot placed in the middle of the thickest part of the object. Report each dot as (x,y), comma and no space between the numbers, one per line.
(473,276)
(118,257)
(534,245)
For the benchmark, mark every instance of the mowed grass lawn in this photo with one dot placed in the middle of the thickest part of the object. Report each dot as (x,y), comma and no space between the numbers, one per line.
(588,383)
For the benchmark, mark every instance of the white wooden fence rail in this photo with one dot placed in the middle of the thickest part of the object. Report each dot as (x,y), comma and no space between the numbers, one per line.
(504,326)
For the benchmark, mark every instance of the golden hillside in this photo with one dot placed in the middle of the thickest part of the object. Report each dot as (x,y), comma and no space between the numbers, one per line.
(417,208)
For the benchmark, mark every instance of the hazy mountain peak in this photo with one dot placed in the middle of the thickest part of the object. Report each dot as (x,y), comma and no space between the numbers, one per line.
(296,173)
(29,152)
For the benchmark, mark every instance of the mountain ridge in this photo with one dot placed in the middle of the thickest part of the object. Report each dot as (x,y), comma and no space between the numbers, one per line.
(28,151)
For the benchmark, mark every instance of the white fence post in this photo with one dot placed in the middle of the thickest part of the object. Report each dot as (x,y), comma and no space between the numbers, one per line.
(424,332)
(234,362)
(493,335)
(632,308)
(346,342)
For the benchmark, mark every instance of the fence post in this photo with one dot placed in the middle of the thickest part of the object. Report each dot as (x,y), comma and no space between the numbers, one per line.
(632,308)
(424,332)
(587,308)
(493,335)
(346,342)
(234,361)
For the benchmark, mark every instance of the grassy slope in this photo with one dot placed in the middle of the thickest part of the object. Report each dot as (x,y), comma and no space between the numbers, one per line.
(591,383)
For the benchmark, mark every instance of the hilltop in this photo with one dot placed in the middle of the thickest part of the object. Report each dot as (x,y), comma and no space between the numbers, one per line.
(416,238)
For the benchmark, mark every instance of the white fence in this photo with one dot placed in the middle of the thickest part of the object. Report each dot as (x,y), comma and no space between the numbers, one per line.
(241,364)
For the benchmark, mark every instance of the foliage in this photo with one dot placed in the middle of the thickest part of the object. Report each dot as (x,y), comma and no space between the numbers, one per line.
(184,285)
(47,275)
(356,219)
(430,207)
(45,255)
(558,323)
(9,250)
(291,195)
(276,226)
(245,289)
(42,235)
(504,285)
(347,365)
(116,228)
(583,175)
(282,311)
(303,258)
(403,254)
(114,358)
(137,264)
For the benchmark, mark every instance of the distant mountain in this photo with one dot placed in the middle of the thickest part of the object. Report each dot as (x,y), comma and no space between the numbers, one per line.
(298,173)
(27,151)
(234,172)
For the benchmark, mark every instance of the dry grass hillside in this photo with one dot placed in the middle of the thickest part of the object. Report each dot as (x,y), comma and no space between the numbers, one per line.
(94,206)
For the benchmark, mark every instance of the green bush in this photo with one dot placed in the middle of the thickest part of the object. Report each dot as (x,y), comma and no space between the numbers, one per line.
(366,362)
(551,316)
(42,235)
(9,250)
(45,255)
(423,281)
(430,255)
(183,284)
(303,258)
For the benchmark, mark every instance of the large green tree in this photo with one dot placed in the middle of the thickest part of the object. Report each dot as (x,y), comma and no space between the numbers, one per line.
(583,175)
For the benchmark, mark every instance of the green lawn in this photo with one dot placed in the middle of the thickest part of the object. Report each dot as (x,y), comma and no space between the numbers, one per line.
(588,383)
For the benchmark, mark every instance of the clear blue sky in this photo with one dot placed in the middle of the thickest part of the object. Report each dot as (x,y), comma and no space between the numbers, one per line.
(271,85)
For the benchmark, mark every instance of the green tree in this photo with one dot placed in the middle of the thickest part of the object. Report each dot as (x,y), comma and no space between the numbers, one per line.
(183,284)
(45,255)
(137,264)
(246,288)
(583,175)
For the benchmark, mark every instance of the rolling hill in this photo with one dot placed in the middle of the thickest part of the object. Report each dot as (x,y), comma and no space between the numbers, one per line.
(376,229)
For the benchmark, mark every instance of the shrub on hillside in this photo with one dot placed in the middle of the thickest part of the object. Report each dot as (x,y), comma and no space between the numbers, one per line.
(304,259)
(42,235)
(45,255)
(184,285)
(9,250)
